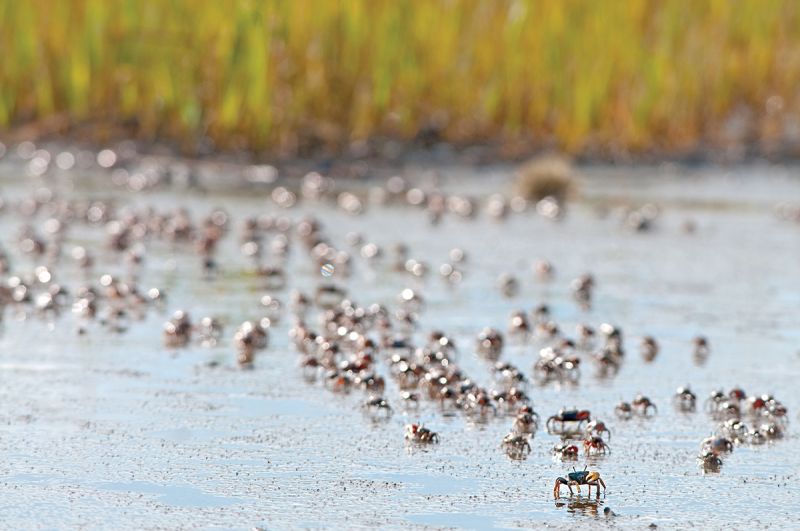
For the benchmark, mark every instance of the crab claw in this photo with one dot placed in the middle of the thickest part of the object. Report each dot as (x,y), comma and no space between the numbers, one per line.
(557,487)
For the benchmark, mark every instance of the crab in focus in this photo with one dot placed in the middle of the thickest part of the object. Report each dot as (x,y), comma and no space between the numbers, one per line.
(578,478)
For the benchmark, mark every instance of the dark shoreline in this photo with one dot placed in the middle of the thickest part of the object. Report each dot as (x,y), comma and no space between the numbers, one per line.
(387,156)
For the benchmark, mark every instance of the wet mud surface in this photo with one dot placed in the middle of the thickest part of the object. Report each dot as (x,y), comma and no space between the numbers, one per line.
(107,430)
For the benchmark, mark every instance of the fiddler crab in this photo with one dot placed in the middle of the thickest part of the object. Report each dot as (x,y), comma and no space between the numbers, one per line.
(717,445)
(641,405)
(649,348)
(526,421)
(710,451)
(597,427)
(516,446)
(565,450)
(572,416)
(594,445)
(418,433)
(709,460)
(578,478)
(684,399)
(375,404)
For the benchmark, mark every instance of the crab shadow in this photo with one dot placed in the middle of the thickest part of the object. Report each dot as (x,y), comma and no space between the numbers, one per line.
(589,506)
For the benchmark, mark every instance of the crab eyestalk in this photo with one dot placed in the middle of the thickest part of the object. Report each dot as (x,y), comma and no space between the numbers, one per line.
(557,487)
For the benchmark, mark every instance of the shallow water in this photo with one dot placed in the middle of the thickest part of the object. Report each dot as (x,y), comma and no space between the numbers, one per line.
(115,431)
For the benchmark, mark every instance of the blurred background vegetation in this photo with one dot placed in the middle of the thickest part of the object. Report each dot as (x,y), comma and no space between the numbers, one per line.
(285,76)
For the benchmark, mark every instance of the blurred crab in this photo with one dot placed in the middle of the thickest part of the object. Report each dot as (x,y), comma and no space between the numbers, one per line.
(565,450)
(578,478)
(556,365)
(516,445)
(756,437)
(709,461)
(490,343)
(595,446)
(576,418)
(772,430)
(734,429)
(623,410)
(642,406)
(410,399)
(717,445)
(649,348)
(701,350)
(598,428)
(510,398)
(417,433)
(526,421)
(712,403)
(508,375)
(684,399)
(376,404)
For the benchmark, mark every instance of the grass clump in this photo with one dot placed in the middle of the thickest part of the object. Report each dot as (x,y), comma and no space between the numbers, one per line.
(546,176)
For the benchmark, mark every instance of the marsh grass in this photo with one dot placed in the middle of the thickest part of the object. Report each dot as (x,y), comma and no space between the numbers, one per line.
(282,75)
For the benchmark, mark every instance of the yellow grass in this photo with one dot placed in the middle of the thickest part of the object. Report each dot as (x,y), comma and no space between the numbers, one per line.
(585,74)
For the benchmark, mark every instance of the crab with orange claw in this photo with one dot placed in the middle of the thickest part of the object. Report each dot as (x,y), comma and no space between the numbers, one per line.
(574,417)
(338,382)
(417,433)
(565,450)
(595,446)
(597,428)
(516,445)
(578,478)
